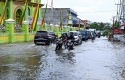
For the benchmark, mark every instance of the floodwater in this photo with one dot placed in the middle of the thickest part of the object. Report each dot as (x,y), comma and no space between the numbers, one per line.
(93,60)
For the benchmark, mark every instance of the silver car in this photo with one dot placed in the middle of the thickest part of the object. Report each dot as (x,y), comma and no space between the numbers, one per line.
(78,37)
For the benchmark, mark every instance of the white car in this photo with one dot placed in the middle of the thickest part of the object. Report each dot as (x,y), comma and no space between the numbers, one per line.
(78,37)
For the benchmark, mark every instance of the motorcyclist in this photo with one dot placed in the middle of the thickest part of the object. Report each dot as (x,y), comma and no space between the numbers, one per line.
(64,39)
(59,44)
(71,37)
(99,34)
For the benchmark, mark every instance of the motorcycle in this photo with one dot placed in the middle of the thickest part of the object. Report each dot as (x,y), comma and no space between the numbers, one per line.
(70,45)
(99,35)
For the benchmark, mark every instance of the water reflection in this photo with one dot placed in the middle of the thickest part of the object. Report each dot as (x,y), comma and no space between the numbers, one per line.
(65,56)
(19,67)
(100,60)
(118,61)
(58,66)
(123,73)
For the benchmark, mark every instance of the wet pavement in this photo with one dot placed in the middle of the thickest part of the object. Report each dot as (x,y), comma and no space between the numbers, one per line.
(97,60)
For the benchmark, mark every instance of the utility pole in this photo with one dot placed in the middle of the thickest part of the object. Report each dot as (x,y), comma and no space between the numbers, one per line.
(117,10)
(113,26)
(79,23)
(61,20)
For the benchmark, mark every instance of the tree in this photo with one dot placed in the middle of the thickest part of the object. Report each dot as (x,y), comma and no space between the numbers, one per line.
(94,25)
(105,27)
(100,26)
(97,26)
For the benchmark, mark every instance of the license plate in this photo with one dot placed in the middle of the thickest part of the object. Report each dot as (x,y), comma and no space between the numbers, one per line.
(42,39)
(41,42)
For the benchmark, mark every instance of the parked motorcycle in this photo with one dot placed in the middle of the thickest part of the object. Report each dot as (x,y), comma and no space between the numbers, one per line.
(70,45)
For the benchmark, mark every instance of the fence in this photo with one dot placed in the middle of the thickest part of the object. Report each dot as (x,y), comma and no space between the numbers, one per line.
(25,33)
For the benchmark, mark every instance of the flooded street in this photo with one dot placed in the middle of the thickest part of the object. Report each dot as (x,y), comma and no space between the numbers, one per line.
(97,60)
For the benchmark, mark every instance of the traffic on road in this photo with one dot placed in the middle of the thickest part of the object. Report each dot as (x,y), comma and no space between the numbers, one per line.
(66,39)
(91,60)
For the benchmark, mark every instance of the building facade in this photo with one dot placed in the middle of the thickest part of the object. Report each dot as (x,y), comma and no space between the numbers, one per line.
(64,16)
(14,9)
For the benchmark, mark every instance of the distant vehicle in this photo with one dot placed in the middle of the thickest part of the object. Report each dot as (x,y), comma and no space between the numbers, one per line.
(84,34)
(97,32)
(44,38)
(92,33)
(92,30)
(78,37)
(89,34)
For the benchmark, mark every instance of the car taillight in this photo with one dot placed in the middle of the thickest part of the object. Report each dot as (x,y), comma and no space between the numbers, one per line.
(48,35)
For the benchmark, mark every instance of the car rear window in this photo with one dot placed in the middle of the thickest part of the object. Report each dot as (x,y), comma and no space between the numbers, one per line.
(83,32)
(75,33)
(51,33)
(41,33)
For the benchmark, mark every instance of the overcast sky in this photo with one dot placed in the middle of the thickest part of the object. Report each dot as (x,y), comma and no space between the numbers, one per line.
(93,10)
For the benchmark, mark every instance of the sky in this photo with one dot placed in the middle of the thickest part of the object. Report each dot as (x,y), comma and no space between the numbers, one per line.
(92,10)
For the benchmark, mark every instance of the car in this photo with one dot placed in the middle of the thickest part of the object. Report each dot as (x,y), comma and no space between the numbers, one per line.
(94,34)
(54,36)
(89,34)
(78,37)
(44,38)
(84,34)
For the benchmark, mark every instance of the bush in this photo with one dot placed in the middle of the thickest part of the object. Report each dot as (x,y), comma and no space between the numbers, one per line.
(105,33)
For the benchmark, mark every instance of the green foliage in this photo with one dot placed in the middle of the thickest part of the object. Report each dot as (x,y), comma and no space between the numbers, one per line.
(97,26)
(94,25)
(105,27)
(105,33)
(100,26)
(116,24)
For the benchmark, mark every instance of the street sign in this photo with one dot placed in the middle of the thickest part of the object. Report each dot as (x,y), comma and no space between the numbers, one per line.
(118,31)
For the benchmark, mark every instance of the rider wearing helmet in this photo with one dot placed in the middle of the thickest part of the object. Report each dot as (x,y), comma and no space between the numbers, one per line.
(64,37)
(70,43)
(71,37)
